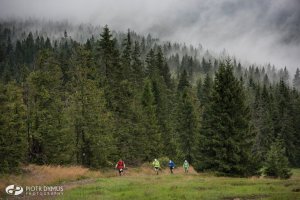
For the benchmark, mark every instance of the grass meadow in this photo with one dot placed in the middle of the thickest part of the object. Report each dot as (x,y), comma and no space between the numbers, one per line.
(142,183)
(186,186)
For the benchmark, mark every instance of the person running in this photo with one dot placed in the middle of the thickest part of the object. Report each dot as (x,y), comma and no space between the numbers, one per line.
(156,165)
(171,166)
(186,166)
(120,166)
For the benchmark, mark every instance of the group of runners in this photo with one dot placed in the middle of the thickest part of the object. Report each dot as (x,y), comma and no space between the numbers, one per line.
(120,166)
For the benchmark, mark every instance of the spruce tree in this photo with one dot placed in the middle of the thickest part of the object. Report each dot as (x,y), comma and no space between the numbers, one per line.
(296,80)
(183,81)
(89,121)
(187,126)
(204,96)
(13,139)
(225,141)
(152,135)
(137,65)
(262,125)
(151,69)
(283,123)
(110,68)
(276,163)
(47,139)
(126,58)
(163,67)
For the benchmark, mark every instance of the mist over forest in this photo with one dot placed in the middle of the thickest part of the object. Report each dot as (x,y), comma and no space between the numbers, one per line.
(258,31)
(215,83)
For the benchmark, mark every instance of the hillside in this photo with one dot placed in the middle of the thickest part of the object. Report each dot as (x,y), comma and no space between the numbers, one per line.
(122,95)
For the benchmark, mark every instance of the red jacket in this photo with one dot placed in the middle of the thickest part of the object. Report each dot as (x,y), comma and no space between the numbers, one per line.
(120,165)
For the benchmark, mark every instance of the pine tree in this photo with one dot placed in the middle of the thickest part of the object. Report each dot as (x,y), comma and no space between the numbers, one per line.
(183,82)
(262,124)
(283,124)
(110,68)
(199,88)
(276,163)
(47,139)
(13,144)
(137,65)
(162,100)
(106,49)
(296,125)
(187,126)
(151,69)
(152,134)
(126,58)
(48,44)
(225,141)
(296,80)
(30,49)
(89,120)
(204,96)
(284,75)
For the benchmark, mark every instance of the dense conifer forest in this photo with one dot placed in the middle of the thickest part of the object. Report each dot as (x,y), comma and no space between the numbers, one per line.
(89,96)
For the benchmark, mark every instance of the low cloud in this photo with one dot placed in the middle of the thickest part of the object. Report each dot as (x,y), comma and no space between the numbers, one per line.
(259,31)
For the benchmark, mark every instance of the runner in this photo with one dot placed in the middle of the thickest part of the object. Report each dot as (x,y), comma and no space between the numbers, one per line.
(186,166)
(120,166)
(171,166)
(156,166)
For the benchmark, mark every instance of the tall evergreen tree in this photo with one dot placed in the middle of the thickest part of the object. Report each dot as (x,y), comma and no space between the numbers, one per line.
(152,136)
(110,67)
(204,96)
(296,80)
(283,123)
(183,82)
(13,144)
(137,65)
(262,125)
(225,141)
(89,120)
(187,126)
(47,139)
(151,64)
(126,58)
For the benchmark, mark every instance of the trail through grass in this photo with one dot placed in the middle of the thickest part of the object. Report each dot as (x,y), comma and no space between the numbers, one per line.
(186,186)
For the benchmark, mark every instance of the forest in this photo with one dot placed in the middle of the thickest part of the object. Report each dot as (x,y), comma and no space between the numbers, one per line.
(94,98)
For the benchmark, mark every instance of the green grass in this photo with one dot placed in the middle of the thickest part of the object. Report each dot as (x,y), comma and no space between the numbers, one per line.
(192,186)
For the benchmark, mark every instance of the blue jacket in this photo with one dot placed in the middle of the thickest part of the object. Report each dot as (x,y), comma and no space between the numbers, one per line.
(171,164)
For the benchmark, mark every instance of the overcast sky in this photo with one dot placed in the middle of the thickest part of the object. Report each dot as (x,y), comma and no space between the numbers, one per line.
(259,31)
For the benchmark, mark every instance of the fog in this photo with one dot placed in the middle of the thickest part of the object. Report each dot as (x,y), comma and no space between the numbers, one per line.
(258,31)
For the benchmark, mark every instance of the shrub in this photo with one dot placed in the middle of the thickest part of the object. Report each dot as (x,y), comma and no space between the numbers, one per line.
(276,164)
(164,162)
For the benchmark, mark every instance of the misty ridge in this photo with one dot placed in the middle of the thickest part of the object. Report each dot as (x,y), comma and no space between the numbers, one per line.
(177,53)
(258,31)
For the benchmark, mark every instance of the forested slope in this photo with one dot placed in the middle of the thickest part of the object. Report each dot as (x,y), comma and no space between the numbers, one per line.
(123,95)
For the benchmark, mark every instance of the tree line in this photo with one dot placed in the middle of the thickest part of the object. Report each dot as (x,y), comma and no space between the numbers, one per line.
(65,102)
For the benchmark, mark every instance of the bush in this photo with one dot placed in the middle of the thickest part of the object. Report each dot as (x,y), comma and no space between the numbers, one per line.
(276,164)
(164,162)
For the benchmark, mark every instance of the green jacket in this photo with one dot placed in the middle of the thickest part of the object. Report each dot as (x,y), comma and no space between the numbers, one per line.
(156,164)
(186,165)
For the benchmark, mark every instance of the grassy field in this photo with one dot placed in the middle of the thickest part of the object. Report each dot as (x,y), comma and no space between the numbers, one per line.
(46,175)
(142,183)
(139,184)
